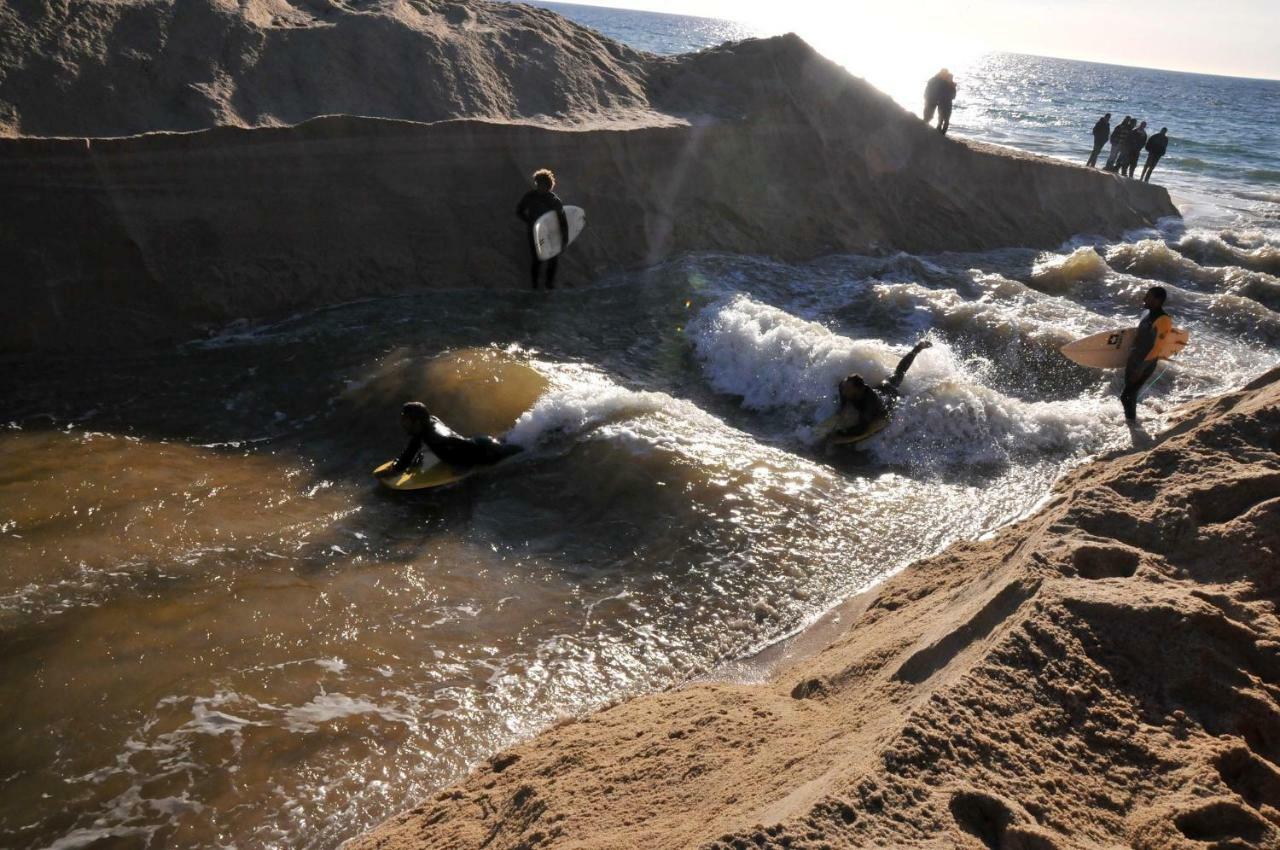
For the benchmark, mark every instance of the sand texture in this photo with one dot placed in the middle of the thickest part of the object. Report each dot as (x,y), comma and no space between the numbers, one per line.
(119,68)
(762,147)
(1104,674)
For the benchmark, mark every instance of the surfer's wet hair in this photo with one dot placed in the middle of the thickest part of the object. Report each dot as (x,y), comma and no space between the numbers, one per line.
(415,410)
(1159,292)
(544,177)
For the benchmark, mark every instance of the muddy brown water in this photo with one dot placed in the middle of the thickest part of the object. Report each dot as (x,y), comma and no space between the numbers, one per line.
(217,630)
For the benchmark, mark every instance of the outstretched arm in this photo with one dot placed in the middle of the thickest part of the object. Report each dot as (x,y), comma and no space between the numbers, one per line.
(406,459)
(905,363)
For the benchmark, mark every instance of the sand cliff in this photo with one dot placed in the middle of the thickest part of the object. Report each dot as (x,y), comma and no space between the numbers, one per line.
(1101,674)
(758,147)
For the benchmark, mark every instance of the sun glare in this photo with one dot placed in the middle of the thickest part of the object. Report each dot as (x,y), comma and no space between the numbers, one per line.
(895,47)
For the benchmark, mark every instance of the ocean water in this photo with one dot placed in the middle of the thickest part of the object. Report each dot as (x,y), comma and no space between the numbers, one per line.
(1224,143)
(217,631)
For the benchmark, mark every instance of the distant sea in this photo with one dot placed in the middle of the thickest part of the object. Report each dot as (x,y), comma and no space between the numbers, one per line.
(1223,161)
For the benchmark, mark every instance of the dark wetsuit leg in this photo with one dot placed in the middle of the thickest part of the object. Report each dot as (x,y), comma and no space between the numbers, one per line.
(1149,167)
(552,264)
(534,263)
(1135,375)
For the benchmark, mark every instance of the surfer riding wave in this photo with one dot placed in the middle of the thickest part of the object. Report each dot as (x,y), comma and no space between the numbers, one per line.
(428,431)
(865,410)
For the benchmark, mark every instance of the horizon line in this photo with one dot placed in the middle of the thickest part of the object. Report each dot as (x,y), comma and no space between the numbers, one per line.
(611,4)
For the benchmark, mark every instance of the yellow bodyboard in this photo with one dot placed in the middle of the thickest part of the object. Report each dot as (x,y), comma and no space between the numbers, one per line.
(436,475)
(854,439)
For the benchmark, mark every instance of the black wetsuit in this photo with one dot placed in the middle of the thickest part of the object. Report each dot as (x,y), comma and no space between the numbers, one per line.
(877,402)
(1137,138)
(453,448)
(1156,146)
(1119,146)
(533,206)
(1101,131)
(939,93)
(1138,369)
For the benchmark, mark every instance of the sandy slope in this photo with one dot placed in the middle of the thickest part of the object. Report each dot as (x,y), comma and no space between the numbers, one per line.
(97,68)
(1103,674)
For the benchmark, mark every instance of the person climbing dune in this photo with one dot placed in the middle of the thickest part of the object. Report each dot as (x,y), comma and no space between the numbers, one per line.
(1142,357)
(865,409)
(429,432)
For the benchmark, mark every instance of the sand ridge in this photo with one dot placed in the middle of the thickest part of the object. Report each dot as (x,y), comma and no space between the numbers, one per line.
(1105,673)
(92,68)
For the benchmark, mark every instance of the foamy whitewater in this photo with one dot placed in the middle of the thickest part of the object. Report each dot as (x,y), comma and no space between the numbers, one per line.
(245,642)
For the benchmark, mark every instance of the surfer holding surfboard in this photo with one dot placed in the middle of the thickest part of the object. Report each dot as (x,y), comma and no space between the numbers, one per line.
(1138,350)
(552,225)
(1153,330)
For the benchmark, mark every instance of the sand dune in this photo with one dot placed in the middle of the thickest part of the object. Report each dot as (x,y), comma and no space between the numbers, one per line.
(139,66)
(1102,674)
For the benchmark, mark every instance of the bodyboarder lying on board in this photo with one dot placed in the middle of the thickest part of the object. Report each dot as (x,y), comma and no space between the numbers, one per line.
(1142,357)
(865,410)
(429,432)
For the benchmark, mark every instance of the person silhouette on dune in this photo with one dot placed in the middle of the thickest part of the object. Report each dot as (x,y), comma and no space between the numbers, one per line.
(1156,146)
(939,93)
(1137,138)
(1101,131)
(1119,144)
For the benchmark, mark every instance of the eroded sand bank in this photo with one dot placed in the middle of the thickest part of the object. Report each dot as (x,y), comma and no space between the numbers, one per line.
(760,147)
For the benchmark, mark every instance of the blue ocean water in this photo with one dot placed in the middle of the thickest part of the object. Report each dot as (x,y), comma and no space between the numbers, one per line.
(1224,148)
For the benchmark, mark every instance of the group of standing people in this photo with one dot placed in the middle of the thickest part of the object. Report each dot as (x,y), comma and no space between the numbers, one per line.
(1128,140)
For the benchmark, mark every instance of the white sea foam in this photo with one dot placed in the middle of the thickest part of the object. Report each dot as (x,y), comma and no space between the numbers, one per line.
(579,400)
(772,359)
(1059,273)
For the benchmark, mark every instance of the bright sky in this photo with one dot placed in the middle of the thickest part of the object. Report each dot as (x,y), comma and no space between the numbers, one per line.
(1233,37)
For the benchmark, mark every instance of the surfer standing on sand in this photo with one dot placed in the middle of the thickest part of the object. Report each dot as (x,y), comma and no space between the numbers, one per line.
(864,409)
(427,431)
(1142,362)
(536,202)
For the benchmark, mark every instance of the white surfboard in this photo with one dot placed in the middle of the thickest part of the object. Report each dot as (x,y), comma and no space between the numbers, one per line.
(546,231)
(1110,349)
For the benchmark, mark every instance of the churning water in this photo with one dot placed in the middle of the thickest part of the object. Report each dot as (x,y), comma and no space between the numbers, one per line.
(216,630)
